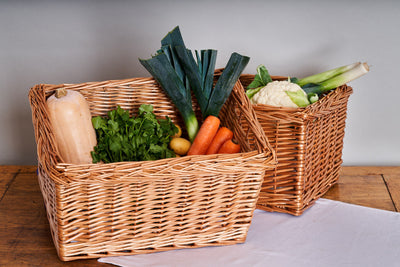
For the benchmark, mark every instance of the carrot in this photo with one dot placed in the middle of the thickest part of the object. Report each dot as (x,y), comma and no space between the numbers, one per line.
(229,147)
(204,136)
(221,137)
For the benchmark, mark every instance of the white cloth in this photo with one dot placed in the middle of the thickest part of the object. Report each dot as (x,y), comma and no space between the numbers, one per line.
(331,233)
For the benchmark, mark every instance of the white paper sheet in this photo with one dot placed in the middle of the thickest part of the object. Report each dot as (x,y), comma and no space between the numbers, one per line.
(331,233)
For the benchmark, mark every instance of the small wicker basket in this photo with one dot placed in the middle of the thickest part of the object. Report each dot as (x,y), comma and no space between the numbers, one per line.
(124,208)
(308,144)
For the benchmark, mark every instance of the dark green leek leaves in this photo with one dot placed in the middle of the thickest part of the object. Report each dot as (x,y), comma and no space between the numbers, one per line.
(179,72)
(225,83)
(163,72)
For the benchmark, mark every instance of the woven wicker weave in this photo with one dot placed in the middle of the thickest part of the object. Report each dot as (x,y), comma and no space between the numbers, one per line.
(308,143)
(98,210)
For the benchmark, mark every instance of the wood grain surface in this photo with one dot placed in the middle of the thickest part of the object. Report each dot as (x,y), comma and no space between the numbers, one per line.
(25,239)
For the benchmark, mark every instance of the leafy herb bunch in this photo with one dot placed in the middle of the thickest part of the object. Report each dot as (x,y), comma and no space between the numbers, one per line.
(124,138)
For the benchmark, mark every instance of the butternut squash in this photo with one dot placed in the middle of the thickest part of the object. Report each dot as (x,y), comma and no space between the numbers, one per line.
(70,119)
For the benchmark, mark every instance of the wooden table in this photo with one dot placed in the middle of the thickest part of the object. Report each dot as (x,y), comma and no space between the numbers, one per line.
(25,238)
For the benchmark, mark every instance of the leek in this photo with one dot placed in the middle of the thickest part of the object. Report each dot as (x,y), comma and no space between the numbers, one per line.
(323,76)
(163,72)
(319,83)
(225,83)
(201,74)
(178,73)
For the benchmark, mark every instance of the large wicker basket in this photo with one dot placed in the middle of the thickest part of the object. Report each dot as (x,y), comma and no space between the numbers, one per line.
(124,208)
(308,144)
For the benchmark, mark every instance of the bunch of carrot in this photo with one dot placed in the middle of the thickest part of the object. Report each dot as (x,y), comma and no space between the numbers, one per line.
(213,139)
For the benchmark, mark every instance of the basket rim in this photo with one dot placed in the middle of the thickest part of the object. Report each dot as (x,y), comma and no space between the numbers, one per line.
(65,169)
(57,171)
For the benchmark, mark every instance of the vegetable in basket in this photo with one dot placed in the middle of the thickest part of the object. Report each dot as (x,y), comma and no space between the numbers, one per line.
(178,73)
(223,135)
(125,138)
(70,119)
(180,145)
(229,147)
(205,136)
(300,92)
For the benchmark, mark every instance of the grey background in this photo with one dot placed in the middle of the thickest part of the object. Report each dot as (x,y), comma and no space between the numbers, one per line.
(79,41)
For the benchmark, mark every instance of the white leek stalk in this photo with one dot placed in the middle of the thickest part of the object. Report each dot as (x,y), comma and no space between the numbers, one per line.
(358,70)
(323,76)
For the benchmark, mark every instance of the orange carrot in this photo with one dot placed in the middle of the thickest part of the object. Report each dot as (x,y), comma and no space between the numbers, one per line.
(229,147)
(204,136)
(223,135)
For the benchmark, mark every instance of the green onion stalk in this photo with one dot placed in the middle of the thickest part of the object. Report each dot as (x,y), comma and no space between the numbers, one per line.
(323,76)
(328,80)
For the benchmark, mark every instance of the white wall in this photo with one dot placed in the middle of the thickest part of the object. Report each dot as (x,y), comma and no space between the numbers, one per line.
(78,41)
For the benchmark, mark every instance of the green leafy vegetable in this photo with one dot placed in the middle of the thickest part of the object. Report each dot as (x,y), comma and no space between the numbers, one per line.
(313,85)
(225,84)
(261,79)
(167,70)
(194,72)
(164,73)
(178,71)
(200,75)
(299,98)
(124,138)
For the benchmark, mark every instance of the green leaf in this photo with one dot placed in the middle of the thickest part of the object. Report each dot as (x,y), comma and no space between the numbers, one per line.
(112,114)
(192,72)
(251,92)
(114,126)
(145,109)
(155,148)
(261,79)
(98,122)
(115,144)
(225,83)
(313,97)
(164,73)
(140,138)
(313,88)
(208,61)
(173,38)
(298,97)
